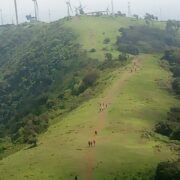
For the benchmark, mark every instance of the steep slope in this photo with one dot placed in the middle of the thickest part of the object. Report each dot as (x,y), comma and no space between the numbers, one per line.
(39,65)
(122,150)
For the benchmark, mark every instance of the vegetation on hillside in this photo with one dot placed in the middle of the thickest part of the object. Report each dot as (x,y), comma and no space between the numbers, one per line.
(38,63)
(171,127)
(148,39)
(43,68)
(44,73)
(168,171)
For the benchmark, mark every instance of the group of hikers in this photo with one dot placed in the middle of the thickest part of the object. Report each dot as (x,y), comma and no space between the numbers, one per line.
(102,106)
(135,67)
(92,143)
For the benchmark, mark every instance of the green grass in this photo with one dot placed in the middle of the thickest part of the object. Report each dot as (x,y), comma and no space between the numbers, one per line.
(62,151)
(91,32)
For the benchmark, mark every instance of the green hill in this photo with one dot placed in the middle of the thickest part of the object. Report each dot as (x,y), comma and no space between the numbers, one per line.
(51,76)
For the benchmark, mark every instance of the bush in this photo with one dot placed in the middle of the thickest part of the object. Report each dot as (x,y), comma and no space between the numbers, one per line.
(92,50)
(176,85)
(108,57)
(90,78)
(107,40)
(171,127)
(168,171)
(163,128)
(174,114)
(130,49)
(145,39)
(123,57)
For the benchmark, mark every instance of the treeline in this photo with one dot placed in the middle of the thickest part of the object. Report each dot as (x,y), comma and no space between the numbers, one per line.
(148,39)
(171,127)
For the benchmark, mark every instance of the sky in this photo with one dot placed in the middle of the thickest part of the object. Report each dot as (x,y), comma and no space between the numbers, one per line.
(51,10)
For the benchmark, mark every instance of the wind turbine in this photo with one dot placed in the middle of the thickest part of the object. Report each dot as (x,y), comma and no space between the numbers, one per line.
(16,12)
(112,6)
(1,17)
(69,8)
(36,10)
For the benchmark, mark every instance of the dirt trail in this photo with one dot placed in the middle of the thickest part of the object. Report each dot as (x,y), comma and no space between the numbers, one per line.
(101,121)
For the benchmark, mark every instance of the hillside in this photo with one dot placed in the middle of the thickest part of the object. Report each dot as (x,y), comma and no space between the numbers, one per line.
(63,151)
(39,64)
(64,82)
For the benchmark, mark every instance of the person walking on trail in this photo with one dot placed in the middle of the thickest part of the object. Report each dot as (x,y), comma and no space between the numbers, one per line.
(95,132)
(89,143)
(94,142)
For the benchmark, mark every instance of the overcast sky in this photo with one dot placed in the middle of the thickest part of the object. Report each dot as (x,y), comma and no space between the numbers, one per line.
(164,9)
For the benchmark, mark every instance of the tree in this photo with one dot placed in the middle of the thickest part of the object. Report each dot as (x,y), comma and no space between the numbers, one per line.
(106,40)
(172,26)
(123,57)
(168,170)
(150,18)
(33,140)
(108,57)
(90,78)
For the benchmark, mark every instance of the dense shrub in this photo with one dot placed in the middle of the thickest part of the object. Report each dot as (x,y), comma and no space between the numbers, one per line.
(174,114)
(176,85)
(145,39)
(170,127)
(107,40)
(168,171)
(164,128)
(92,50)
(128,48)
(108,57)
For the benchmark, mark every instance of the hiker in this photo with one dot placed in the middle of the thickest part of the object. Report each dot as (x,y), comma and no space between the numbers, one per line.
(95,132)
(131,70)
(75,178)
(103,107)
(94,142)
(89,143)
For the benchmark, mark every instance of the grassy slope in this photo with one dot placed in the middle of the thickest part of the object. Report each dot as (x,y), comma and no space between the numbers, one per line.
(92,31)
(62,150)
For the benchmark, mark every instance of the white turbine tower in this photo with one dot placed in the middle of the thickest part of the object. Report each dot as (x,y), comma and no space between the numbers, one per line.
(112,6)
(129,9)
(36,10)
(1,13)
(69,8)
(16,12)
